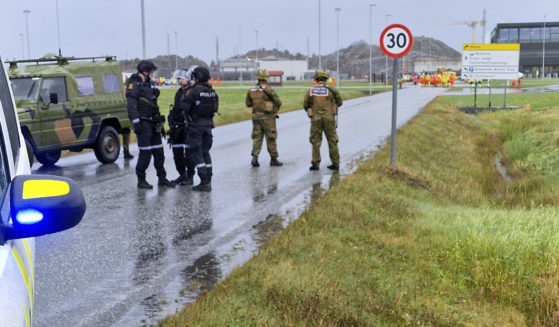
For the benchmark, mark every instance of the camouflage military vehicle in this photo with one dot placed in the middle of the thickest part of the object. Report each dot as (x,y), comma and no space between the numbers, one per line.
(67,103)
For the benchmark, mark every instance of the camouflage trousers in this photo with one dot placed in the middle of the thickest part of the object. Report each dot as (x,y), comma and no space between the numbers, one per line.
(326,124)
(261,128)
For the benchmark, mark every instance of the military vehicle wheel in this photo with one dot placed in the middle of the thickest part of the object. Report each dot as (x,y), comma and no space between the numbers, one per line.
(107,146)
(49,158)
(30,152)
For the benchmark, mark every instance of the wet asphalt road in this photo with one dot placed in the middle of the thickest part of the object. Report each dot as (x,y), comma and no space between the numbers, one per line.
(139,255)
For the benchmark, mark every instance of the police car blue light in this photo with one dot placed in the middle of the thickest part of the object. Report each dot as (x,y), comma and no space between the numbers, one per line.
(29,216)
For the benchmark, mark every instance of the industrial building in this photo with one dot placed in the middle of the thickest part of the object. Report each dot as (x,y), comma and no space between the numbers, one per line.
(233,69)
(539,47)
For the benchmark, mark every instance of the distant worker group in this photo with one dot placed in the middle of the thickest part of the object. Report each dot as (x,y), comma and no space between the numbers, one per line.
(191,123)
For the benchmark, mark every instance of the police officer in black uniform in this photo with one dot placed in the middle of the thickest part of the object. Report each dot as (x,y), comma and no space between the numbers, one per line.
(177,134)
(148,123)
(200,105)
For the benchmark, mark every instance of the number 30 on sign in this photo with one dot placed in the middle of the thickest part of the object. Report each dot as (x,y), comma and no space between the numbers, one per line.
(396,40)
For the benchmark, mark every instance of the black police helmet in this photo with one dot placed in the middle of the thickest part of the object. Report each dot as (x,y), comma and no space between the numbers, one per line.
(146,66)
(201,74)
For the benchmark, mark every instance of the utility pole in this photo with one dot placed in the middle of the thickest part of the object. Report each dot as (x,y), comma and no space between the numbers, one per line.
(143,31)
(58,29)
(319,44)
(176,51)
(26,12)
(338,46)
(240,40)
(256,31)
(217,53)
(371,47)
(22,46)
(168,45)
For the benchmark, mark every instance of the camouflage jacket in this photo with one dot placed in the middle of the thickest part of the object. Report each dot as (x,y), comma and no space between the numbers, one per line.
(264,101)
(322,100)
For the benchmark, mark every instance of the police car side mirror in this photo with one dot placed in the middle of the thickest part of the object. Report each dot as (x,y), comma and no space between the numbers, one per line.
(43,204)
(53,98)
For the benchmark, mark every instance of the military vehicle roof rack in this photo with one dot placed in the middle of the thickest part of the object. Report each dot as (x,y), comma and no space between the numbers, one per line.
(58,59)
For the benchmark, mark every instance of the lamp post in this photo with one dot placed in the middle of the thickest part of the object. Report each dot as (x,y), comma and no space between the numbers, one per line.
(338,46)
(385,56)
(319,44)
(143,31)
(176,51)
(256,31)
(22,46)
(371,47)
(58,29)
(27,11)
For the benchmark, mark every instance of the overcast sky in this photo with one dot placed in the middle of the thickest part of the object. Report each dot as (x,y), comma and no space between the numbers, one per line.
(113,27)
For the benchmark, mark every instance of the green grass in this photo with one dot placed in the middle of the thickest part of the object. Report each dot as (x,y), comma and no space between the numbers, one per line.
(232,106)
(442,240)
(529,100)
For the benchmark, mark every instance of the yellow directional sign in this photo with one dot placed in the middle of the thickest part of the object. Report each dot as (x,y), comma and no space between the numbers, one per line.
(491,47)
(490,61)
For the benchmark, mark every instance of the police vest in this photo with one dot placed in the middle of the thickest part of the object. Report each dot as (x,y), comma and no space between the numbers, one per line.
(321,101)
(206,105)
(261,103)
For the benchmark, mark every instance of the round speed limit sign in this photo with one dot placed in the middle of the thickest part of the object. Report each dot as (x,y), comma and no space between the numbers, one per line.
(396,40)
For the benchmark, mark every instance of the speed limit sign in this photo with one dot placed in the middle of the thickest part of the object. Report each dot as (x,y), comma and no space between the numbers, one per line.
(396,40)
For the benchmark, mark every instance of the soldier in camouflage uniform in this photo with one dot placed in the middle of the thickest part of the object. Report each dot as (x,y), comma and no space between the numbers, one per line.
(265,105)
(321,104)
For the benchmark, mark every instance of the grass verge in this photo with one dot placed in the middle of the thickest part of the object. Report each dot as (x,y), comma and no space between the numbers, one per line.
(442,240)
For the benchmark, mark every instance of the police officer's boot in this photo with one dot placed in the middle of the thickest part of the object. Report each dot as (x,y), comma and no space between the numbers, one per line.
(204,186)
(334,166)
(188,180)
(275,162)
(179,179)
(254,161)
(127,155)
(165,182)
(142,183)
(314,167)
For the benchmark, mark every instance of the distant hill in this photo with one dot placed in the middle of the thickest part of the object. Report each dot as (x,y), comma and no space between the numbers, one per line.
(354,59)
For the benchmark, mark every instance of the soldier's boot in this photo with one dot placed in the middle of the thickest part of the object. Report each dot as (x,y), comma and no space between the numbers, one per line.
(254,161)
(188,180)
(127,155)
(179,180)
(142,183)
(204,186)
(275,162)
(165,182)
(334,166)
(314,167)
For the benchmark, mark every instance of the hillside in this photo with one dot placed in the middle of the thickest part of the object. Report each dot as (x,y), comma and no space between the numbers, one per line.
(354,59)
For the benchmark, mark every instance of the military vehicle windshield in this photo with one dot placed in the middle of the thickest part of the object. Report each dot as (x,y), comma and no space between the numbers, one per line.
(25,88)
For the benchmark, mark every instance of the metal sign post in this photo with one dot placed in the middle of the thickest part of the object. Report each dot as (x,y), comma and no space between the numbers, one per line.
(394,111)
(396,41)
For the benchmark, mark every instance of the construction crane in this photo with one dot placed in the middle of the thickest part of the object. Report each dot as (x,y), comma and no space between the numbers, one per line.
(472,23)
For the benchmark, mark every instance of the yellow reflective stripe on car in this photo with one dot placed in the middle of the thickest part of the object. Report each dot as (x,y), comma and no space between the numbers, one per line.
(24,274)
(44,188)
(30,260)
(27,317)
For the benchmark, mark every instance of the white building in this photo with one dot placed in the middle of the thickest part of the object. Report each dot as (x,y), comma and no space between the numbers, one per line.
(292,69)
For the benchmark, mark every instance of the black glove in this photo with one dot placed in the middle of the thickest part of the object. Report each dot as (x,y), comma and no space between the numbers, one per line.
(156,92)
(137,128)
